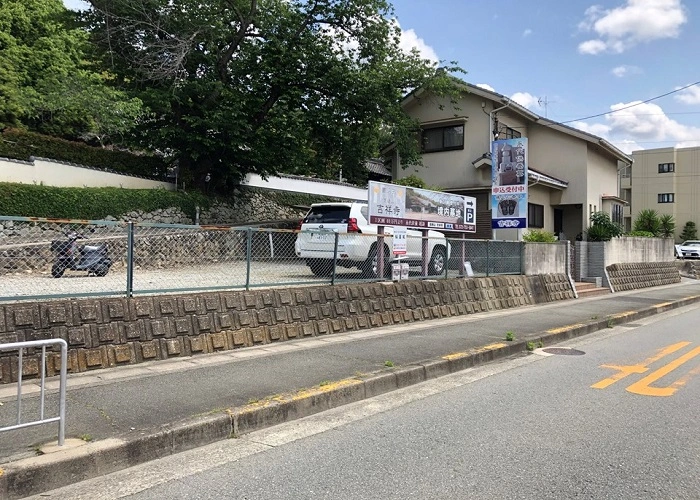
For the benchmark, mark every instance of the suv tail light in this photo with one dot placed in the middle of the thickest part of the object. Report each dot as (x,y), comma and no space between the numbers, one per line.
(301,221)
(352,225)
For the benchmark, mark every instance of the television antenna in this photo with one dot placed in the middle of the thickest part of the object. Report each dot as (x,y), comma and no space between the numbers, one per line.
(544,103)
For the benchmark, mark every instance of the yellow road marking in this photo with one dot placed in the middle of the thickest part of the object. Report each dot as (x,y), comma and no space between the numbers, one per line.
(624,371)
(642,387)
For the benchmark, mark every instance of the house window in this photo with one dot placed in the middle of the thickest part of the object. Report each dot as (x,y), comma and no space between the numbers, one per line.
(535,215)
(665,168)
(666,197)
(508,133)
(617,216)
(443,139)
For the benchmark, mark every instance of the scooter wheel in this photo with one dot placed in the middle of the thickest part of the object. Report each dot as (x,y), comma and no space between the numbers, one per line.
(101,271)
(57,270)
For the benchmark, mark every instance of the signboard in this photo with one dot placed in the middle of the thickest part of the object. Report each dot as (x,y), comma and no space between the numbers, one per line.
(394,205)
(399,241)
(509,184)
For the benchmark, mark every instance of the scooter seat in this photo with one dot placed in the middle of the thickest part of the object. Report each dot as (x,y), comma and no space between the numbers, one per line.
(94,248)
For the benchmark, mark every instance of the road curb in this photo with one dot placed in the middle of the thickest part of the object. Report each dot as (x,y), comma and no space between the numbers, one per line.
(47,472)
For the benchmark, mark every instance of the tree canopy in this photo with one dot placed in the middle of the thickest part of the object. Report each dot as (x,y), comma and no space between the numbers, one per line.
(47,81)
(265,86)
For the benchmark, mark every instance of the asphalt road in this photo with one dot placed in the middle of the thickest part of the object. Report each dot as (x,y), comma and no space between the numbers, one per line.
(617,422)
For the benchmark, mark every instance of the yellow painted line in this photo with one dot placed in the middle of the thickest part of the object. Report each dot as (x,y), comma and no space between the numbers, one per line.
(663,304)
(685,378)
(642,387)
(565,328)
(624,371)
(456,355)
(491,347)
(622,315)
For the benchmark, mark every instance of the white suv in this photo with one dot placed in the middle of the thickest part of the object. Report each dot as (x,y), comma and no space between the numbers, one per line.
(316,241)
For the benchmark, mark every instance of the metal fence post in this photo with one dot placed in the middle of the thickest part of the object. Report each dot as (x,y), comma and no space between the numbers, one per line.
(248,255)
(488,264)
(522,251)
(130,259)
(335,257)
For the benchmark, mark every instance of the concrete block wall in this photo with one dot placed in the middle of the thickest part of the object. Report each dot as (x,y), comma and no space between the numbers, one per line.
(107,332)
(632,276)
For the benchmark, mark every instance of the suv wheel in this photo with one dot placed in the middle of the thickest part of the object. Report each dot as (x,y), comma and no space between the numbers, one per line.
(321,267)
(370,266)
(438,261)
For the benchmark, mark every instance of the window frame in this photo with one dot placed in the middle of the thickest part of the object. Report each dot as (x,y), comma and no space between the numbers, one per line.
(533,210)
(444,128)
(667,168)
(666,198)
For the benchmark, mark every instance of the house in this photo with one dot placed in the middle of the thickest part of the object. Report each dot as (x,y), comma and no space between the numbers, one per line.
(572,174)
(666,180)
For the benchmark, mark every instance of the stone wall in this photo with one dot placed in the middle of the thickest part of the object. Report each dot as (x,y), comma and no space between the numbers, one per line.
(632,276)
(108,332)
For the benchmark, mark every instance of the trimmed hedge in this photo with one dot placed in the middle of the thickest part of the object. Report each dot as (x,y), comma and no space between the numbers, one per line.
(29,200)
(20,145)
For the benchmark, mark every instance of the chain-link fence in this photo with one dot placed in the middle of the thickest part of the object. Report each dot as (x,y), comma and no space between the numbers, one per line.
(47,258)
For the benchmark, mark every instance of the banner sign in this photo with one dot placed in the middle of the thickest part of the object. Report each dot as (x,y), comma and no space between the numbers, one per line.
(394,205)
(399,242)
(509,184)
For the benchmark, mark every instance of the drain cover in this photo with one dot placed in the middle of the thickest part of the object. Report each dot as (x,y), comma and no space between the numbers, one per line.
(566,351)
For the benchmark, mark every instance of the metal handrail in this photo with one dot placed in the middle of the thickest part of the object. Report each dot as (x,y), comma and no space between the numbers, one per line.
(61,418)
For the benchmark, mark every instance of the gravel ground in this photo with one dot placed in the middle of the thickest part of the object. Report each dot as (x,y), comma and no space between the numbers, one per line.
(230,275)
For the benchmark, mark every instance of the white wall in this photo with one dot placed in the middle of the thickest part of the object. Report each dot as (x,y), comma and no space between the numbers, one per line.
(545,258)
(59,174)
(305,185)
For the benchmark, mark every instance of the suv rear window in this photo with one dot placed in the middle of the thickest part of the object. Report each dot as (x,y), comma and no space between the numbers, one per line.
(328,214)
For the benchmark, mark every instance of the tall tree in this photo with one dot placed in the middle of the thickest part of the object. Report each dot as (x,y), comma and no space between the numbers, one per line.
(47,82)
(238,86)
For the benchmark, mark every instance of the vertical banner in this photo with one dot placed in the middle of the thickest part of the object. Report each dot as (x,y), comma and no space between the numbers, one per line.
(509,184)
(399,242)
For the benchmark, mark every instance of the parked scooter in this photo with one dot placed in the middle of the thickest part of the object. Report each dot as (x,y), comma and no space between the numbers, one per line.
(70,255)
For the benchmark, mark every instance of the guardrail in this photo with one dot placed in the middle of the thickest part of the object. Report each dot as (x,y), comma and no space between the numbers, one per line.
(42,419)
(45,258)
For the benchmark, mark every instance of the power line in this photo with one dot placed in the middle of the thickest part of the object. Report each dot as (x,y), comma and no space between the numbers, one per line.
(631,105)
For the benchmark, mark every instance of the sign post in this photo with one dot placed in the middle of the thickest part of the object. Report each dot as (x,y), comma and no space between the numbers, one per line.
(509,184)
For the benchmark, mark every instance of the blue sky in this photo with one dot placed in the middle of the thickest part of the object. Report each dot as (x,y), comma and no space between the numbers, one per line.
(583,57)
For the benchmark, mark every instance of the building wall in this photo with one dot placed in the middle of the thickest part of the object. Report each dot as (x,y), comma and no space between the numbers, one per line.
(601,180)
(55,173)
(647,183)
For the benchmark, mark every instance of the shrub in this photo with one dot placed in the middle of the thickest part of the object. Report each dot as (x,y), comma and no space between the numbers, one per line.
(689,231)
(668,226)
(29,200)
(20,145)
(648,220)
(539,236)
(640,234)
(602,228)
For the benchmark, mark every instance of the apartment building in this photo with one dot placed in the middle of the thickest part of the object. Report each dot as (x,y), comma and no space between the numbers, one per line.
(666,180)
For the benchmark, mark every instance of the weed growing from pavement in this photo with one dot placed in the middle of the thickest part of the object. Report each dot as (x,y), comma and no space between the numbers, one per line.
(389,364)
(540,344)
(324,383)
(510,336)
(530,346)
(594,317)
(611,323)
(86,437)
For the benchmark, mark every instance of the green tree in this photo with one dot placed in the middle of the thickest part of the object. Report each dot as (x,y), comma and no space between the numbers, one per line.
(602,228)
(47,82)
(689,231)
(648,220)
(239,86)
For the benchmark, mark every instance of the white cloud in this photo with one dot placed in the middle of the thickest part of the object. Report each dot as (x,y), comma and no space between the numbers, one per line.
(410,40)
(76,4)
(644,123)
(486,86)
(527,32)
(691,95)
(525,99)
(625,70)
(637,21)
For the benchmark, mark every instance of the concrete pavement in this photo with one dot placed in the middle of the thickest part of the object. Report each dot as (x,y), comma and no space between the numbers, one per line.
(124,416)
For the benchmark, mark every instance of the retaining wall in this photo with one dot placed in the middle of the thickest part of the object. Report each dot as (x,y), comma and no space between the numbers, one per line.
(108,332)
(632,276)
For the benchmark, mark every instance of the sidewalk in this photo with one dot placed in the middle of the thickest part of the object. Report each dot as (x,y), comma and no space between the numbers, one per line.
(127,415)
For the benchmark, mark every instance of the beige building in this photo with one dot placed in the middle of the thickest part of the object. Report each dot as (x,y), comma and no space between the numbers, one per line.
(571,173)
(666,180)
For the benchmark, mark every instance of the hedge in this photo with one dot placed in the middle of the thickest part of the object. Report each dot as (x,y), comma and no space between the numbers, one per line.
(20,145)
(29,200)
